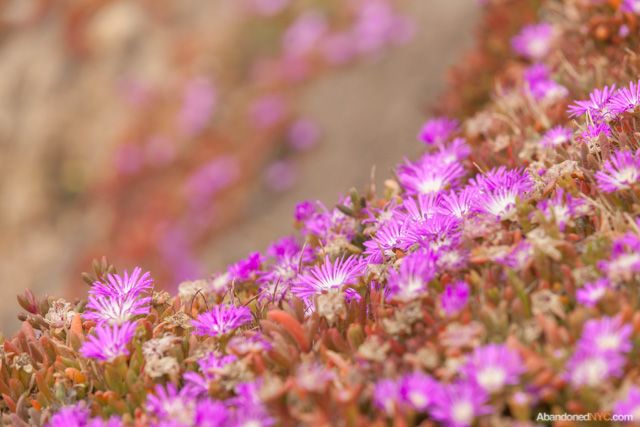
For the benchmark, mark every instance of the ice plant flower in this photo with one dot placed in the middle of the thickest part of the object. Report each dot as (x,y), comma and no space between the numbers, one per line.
(540,85)
(429,175)
(534,41)
(135,283)
(625,99)
(329,276)
(591,293)
(221,320)
(116,309)
(625,259)
(493,367)
(109,341)
(634,7)
(561,208)
(499,189)
(596,106)
(630,404)
(592,368)
(437,130)
(410,281)
(606,335)
(386,395)
(417,390)
(391,236)
(454,298)
(556,136)
(459,404)
(619,172)
(70,416)
(167,403)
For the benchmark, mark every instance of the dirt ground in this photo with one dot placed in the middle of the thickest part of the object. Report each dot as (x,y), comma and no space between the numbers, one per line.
(369,113)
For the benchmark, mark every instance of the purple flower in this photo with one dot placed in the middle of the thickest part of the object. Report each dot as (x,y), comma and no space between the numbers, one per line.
(210,178)
(534,41)
(591,293)
(519,257)
(420,208)
(70,416)
(625,99)
(417,390)
(619,172)
(329,276)
(134,284)
(632,6)
(304,210)
(459,203)
(221,320)
(109,341)
(304,34)
(198,104)
(494,366)
(438,130)
(589,368)
(210,413)
(244,269)
(458,404)
(429,175)
(280,175)
(267,111)
(116,309)
(498,190)
(606,335)
(541,86)
(595,106)
(410,281)
(386,395)
(197,383)
(453,152)
(561,208)
(249,409)
(630,405)
(303,134)
(169,404)
(454,298)
(556,136)
(389,237)
(625,258)
(440,231)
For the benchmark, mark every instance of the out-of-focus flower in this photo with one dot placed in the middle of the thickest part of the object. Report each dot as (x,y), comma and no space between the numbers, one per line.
(591,293)
(459,404)
(534,41)
(605,335)
(417,390)
(438,130)
(70,416)
(589,368)
(556,136)
(625,258)
(280,176)
(303,134)
(109,341)
(619,172)
(386,395)
(494,366)
(221,320)
(198,104)
(630,405)
(454,298)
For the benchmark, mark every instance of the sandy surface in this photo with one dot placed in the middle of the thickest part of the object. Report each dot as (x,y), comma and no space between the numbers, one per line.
(370,114)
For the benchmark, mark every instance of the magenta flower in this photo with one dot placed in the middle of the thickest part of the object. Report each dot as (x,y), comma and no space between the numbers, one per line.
(248,408)
(561,208)
(410,281)
(519,257)
(591,293)
(246,268)
(459,404)
(454,298)
(198,105)
(386,395)
(329,276)
(70,416)
(417,390)
(541,86)
(221,320)
(499,189)
(197,383)
(606,335)
(116,309)
(453,152)
(109,341)
(590,368)
(440,231)
(420,208)
(534,41)
(632,6)
(134,284)
(438,130)
(556,136)
(303,134)
(459,203)
(625,99)
(619,172)
(167,403)
(596,105)
(389,237)
(429,175)
(630,405)
(625,258)
(493,367)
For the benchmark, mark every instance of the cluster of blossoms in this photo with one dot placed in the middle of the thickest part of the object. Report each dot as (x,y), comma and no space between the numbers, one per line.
(494,279)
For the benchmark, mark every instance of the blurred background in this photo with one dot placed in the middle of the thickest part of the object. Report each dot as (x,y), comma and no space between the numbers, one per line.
(179,135)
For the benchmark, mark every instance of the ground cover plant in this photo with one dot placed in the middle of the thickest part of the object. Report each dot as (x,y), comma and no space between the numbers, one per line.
(491,280)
